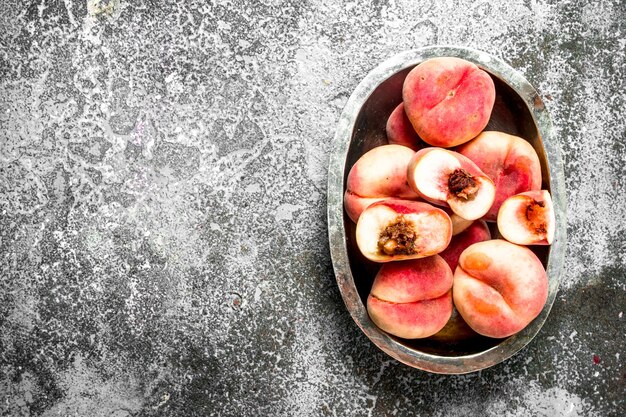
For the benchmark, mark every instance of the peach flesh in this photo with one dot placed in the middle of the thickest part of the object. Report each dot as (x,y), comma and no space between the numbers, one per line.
(510,161)
(528,218)
(400,130)
(412,299)
(378,174)
(447,178)
(499,287)
(393,230)
(476,232)
(448,100)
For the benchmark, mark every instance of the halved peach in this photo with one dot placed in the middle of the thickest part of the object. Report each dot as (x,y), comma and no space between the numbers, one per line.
(448,100)
(378,174)
(499,287)
(400,131)
(476,232)
(412,299)
(395,230)
(448,178)
(510,161)
(527,218)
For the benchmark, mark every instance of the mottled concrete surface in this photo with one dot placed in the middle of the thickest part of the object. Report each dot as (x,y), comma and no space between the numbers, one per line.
(163,244)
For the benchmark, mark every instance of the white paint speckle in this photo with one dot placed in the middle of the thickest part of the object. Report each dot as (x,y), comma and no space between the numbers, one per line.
(286,211)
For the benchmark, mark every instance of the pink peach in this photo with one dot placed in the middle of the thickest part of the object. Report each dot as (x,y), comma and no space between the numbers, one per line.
(400,130)
(459,224)
(455,330)
(448,100)
(412,299)
(379,174)
(510,161)
(499,287)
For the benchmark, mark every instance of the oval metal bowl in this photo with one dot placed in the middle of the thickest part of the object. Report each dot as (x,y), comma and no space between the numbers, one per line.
(518,110)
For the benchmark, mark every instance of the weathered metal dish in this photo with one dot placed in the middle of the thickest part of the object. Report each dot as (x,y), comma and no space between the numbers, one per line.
(518,110)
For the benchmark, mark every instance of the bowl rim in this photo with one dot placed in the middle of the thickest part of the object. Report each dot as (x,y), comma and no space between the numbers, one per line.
(335,211)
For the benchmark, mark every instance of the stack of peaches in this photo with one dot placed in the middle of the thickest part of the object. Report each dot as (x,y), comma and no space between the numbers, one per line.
(422,205)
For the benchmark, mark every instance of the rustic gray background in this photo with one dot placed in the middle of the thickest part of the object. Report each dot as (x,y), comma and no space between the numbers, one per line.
(163,245)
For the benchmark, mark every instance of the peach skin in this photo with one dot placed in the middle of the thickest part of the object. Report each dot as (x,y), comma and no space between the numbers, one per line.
(476,232)
(400,130)
(377,175)
(455,329)
(499,287)
(509,161)
(412,299)
(448,100)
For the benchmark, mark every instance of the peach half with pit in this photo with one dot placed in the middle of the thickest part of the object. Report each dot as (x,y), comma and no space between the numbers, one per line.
(499,287)
(510,161)
(528,218)
(377,175)
(450,179)
(448,100)
(400,131)
(395,230)
(412,299)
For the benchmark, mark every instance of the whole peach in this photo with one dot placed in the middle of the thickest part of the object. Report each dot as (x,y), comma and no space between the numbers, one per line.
(448,100)
(400,131)
(499,287)
(510,162)
(412,299)
(377,175)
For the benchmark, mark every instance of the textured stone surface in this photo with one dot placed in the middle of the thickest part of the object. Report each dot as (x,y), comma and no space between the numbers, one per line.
(163,245)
